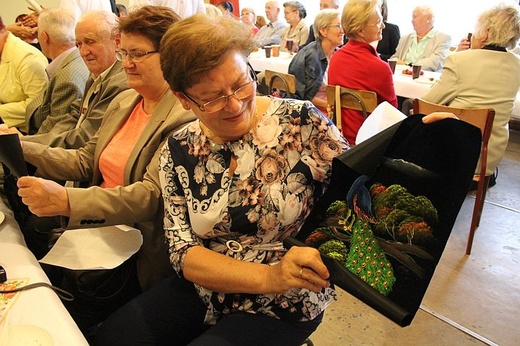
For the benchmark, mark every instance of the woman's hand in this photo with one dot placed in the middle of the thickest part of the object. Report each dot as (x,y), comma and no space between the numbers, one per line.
(436,116)
(44,197)
(301,267)
(8,130)
(23,32)
(464,44)
(31,20)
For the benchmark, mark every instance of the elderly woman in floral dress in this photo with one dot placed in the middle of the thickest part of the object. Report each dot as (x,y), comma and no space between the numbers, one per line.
(236,182)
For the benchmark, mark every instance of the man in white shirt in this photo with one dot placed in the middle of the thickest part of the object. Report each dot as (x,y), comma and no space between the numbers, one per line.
(272,32)
(184,8)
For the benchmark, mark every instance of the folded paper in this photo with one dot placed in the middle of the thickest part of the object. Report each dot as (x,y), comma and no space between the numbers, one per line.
(383,116)
(94,248)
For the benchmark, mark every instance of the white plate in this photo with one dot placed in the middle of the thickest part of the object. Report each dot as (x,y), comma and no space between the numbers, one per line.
(425,80)
(2,217)
(27,335)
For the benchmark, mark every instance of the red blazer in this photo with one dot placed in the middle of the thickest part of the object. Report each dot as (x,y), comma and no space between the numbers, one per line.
(358,66)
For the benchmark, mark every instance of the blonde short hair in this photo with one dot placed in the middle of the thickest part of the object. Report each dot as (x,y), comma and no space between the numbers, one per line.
(502,24)
(323,19)
(356,15)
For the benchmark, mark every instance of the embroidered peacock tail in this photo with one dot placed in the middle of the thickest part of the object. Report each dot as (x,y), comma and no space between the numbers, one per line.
(367,260)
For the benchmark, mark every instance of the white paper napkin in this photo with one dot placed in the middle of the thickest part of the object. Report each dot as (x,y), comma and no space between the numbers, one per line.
(94,248)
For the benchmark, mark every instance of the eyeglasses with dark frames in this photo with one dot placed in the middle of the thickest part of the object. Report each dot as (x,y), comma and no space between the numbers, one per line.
(241,93)
(134,55)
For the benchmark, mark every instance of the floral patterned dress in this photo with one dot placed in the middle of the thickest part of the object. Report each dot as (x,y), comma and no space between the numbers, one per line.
(283,165)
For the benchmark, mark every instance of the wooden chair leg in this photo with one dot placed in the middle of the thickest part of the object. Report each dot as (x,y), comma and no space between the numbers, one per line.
(477,211)
(484,192)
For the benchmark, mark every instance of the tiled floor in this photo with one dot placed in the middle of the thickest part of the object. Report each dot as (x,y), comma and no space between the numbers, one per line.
(471,300)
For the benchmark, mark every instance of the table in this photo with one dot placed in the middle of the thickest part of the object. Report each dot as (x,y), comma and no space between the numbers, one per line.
(40,306)
(405,86)
(261,63)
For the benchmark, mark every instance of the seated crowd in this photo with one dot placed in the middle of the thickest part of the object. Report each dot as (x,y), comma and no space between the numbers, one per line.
(152,118)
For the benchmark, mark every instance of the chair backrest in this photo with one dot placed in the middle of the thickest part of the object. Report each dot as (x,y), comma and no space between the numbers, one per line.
(482,118)
(359,100)
(479,117)
(280,81)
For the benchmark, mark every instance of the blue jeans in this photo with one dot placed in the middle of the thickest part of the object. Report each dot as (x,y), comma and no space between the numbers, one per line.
(171,313)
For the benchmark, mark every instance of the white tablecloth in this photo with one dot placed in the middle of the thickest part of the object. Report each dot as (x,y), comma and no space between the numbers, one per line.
(261,63)
(40,306)
(405,86)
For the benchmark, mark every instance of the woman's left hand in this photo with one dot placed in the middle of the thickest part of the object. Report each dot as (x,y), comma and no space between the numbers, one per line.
(300,267)
(44,197)
(436,116)
(4,130)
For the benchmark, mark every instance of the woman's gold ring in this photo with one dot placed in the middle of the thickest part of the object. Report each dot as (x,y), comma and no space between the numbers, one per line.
(301,273)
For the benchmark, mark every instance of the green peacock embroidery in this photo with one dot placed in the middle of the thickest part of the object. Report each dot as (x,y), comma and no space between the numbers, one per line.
(348,235)
(367,260)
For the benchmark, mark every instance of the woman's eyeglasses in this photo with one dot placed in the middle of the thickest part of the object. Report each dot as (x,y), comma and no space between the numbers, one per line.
(241,93)
(337,26)
(134,55)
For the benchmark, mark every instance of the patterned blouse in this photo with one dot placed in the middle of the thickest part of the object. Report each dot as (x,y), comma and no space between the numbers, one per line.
(283,165)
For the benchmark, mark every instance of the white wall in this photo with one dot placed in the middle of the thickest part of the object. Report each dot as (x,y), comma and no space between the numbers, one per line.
(10,9)
(456,17)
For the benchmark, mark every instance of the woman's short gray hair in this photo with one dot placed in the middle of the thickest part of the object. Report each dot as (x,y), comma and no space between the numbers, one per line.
(323,19)
(502,24)
(296,5)
(428,12)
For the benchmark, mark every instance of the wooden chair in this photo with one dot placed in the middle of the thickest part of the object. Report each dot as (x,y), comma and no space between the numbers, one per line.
(483,119)
(280,81)
(359,100)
